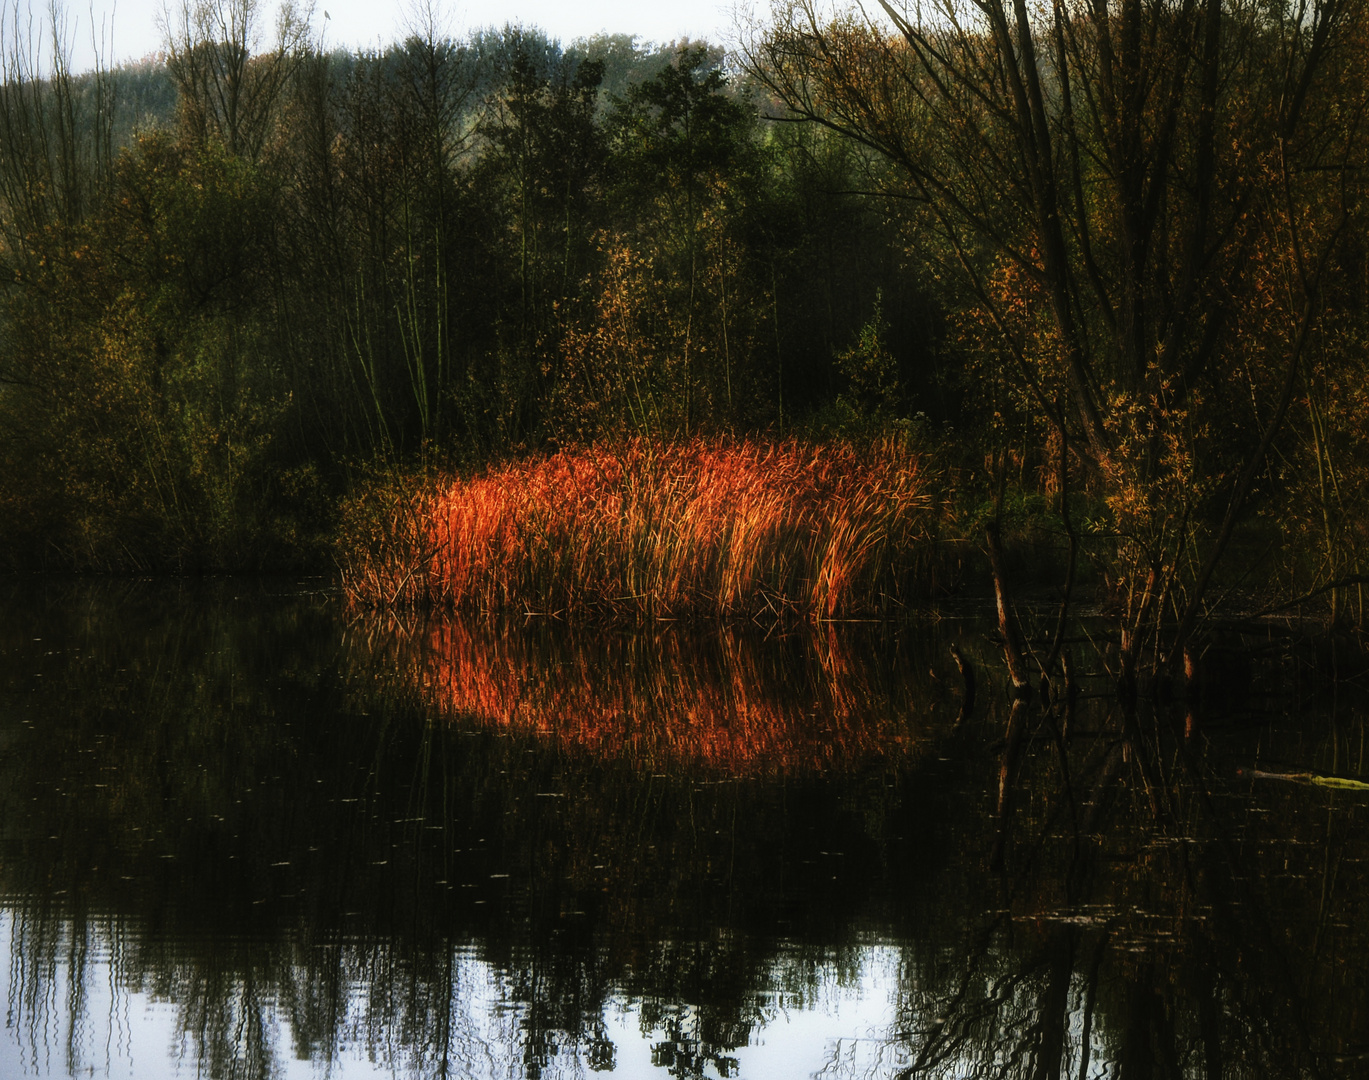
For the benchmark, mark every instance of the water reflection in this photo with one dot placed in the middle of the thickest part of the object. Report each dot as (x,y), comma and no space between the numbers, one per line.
(1156,916)
(242,837)
(727,701)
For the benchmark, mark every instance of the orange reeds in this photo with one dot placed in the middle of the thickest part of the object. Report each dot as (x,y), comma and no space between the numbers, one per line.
(699,528)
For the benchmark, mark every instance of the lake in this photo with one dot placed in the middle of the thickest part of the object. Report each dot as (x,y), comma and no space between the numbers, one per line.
(246,833)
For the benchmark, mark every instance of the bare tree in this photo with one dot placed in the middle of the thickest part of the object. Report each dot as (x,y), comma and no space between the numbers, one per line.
(228,89)
(55,129)
(1108,178)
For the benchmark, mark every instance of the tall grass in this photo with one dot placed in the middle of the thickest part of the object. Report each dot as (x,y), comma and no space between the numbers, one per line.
(656,530)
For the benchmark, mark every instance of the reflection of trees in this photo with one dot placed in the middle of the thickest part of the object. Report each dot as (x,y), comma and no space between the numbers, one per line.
(257,813)
(1150,920)
(246,809)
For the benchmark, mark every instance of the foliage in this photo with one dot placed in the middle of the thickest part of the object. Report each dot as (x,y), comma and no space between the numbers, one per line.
(870,399)
(1070,257)
(141,417)
(1140,211)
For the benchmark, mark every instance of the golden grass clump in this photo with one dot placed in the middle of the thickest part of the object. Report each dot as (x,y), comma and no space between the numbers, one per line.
(656,530)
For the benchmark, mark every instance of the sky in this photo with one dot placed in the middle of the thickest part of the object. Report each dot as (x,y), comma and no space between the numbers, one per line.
(359,23)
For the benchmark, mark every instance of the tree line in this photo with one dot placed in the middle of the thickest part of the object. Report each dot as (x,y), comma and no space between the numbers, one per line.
(240,277)
(1153,216)
(1105,261)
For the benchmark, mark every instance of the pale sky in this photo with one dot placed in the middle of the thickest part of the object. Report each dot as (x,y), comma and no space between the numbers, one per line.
(359,23)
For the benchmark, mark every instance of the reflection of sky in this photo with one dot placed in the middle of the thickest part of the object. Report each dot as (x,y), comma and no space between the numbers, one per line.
(121,1033)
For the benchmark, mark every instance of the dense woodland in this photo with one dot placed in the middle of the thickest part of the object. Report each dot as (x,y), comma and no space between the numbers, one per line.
(229,288)
(1103,266)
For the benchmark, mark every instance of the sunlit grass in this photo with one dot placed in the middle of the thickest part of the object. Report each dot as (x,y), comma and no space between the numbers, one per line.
(660,530)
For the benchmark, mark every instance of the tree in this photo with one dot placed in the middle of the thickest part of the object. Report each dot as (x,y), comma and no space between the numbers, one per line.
(540,183)
(684,154)
(1107,181)
(141,433)
(226,88)
(56,145)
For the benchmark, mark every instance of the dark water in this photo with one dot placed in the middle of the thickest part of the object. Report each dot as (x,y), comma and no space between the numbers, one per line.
(243,836)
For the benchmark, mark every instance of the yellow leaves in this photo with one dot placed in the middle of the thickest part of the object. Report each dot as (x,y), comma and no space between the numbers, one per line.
(619,369)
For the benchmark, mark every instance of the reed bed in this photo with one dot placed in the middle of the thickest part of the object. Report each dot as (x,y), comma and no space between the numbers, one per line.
(700,528)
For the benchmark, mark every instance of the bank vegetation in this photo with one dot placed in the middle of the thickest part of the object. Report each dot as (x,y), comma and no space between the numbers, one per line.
(1099,269)
(707,528)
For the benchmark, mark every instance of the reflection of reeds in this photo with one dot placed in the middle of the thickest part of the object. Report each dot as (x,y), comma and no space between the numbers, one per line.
(725,703)
(696,528)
